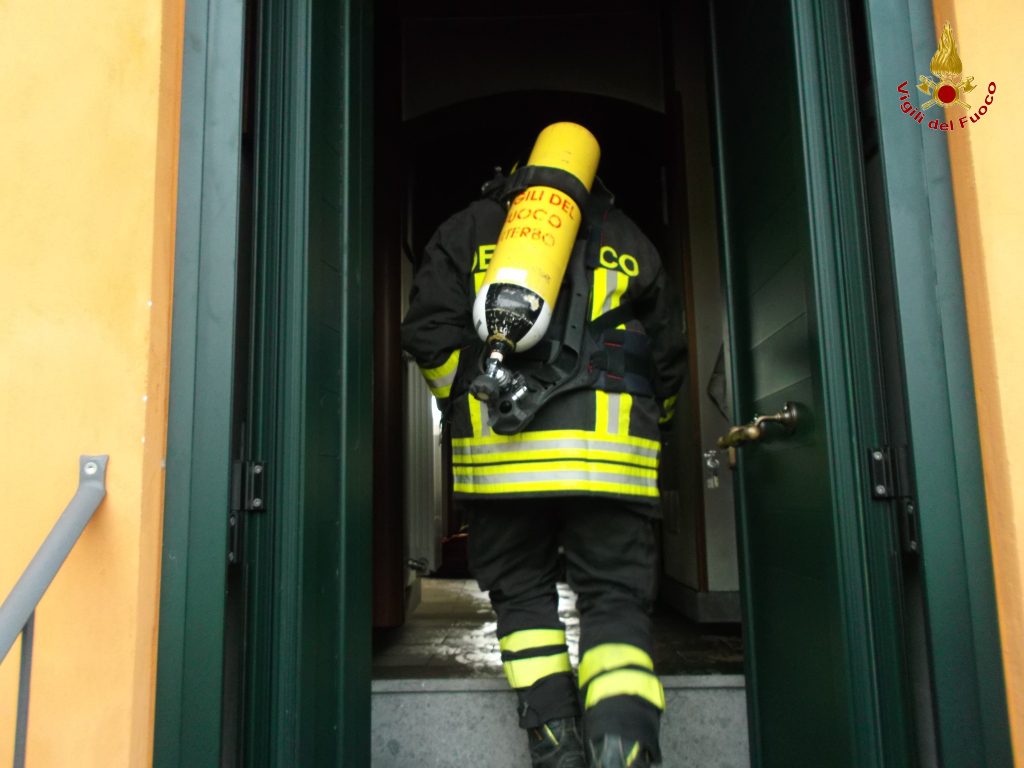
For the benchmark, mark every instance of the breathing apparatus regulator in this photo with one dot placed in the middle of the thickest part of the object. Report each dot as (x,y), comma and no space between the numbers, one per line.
(513,308)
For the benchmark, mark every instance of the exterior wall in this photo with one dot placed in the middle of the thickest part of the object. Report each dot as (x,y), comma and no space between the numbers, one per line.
(987,161)
(88,143)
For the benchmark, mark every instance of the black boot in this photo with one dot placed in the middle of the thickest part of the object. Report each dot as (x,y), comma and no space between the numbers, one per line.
(615,752)
(557,744)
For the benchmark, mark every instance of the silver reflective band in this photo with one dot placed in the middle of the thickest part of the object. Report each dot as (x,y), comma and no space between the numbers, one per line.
(613,290)
(540,475)
(560,474)
(442,381)
(614,404)
(465,447)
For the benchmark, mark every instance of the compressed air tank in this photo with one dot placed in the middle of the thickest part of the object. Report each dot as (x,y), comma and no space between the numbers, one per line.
(513,308)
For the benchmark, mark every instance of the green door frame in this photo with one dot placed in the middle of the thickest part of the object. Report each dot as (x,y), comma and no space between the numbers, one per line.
(971,717)
(191,639)
(319,203)
(966,665)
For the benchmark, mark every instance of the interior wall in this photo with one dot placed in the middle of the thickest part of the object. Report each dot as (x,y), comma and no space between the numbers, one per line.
(480,55)
(694,99)
(986,160)
(706,516)
(87,200)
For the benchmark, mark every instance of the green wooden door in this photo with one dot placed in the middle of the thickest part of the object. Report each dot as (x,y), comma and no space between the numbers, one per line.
(307,636)
(287,683)
(819,555)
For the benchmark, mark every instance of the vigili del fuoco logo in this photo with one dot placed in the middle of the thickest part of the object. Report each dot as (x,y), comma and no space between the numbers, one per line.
(951,89)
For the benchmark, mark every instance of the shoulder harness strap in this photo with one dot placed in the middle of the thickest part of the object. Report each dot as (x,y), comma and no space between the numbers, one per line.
(592,355)
(543,176)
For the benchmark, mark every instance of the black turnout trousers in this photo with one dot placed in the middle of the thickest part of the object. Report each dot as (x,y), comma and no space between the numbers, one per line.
(611,557)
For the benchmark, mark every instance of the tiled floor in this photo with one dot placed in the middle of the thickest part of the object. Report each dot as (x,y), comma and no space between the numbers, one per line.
(451,634)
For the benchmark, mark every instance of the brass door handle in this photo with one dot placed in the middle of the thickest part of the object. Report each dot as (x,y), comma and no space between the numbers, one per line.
(754,430)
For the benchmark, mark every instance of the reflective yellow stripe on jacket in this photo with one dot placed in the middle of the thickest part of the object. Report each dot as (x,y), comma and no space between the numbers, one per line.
(609,286)
(440,379)
(668,407)
(556,461)
(612,412)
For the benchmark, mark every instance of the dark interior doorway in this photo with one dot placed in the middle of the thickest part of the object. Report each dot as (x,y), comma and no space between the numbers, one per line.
(448,153)
(448,112)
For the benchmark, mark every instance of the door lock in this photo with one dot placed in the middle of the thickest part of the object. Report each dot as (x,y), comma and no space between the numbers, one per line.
(711,465)
(752,431)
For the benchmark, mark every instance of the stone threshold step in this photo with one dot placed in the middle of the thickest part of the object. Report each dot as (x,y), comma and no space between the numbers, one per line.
(451,723)
(468,684)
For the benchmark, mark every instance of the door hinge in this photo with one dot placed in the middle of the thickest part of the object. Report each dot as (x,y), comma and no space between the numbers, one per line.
(890,481)
(247,495)
(247,483)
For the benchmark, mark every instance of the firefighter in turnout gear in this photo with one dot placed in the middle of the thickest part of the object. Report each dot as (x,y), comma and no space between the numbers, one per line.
(574,465)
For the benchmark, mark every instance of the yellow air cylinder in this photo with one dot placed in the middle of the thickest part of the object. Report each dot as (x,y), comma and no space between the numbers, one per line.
(537,238)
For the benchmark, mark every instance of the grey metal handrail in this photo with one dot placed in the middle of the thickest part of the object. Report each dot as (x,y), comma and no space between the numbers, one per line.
(17,614)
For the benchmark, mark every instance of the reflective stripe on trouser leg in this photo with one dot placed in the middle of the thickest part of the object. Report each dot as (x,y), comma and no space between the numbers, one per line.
(619,669)
(530,655)
(622,695)
(523,673)
(537,666)
(608,656)
(626,682)
(526,639)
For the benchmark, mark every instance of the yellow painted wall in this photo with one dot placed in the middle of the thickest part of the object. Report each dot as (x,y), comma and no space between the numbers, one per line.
(988,166)
(88,152)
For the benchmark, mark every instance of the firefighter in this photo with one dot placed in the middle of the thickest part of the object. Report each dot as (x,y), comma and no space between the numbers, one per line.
(581,474)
